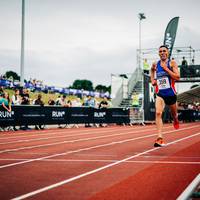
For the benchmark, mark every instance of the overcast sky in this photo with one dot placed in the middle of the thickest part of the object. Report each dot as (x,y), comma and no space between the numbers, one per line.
(88,39)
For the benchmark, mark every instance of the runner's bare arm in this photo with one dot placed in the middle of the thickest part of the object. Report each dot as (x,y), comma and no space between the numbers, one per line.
(175,73)
(153,69)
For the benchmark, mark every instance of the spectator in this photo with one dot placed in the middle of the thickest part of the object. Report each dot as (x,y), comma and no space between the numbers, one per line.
(84,99)
(77,102)
(39,101)
(181,106)
(184,62)
(25,101)
(68,104)
(1,101)
(16,99)
(89,102)
(51,102)
(6,104)
(25,97)
(146,66)
(135,102)
(103,105)
(61,101)
(57,102)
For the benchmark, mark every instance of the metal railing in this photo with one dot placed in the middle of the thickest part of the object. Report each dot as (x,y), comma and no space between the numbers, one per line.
(136,76)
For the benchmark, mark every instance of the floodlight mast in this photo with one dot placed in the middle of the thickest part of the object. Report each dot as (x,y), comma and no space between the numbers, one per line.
(22,45)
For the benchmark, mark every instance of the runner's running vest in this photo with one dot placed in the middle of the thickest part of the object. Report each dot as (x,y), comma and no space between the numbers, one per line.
(165,84)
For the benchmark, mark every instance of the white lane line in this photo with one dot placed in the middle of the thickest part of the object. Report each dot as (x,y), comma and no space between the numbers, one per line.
(129,161)
(70,141)
(108,161)
(95,171)
(28,153)
(57,131)
(85,149)
(180,157)
(69,131)
(32,133)
(53,132)
(74,151)
(15,159)
(55,137)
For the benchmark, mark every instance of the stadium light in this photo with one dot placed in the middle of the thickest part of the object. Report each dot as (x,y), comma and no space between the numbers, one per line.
(22,46)
(141,17)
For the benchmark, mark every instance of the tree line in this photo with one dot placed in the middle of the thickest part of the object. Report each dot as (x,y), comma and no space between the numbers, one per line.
(81,84)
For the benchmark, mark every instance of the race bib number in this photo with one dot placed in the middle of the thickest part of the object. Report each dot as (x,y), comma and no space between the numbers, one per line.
(163,83)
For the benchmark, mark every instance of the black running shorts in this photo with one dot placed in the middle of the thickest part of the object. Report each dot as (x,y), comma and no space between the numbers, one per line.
(169,100)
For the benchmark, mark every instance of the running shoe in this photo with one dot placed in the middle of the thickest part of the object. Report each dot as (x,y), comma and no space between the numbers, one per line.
(176,123)
(159,142)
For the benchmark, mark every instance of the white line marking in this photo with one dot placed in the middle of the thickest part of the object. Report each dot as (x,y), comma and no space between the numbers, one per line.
(55,137)
(185,157)
(94,171)
(131,161)
(109,161)
(85,149)
(57,131)
(69,141)
(78,140)
(28,153)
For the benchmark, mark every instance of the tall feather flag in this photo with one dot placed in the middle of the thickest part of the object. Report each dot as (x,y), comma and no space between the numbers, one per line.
(170,34)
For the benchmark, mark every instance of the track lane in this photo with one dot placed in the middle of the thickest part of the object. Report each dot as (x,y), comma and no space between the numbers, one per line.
(115,169)
(160,181)
(78,147)
(118,150)
(59,139)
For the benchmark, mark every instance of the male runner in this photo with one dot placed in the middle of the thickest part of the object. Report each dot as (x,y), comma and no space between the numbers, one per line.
(163,76)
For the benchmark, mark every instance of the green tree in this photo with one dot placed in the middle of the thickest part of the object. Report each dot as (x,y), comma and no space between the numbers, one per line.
(103,88)
(13,75)
(109,89)
(82,84)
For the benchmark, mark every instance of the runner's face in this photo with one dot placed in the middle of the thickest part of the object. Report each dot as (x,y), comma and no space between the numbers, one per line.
(163,53)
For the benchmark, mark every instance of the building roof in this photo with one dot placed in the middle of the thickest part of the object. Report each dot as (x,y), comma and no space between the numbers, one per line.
(190,96)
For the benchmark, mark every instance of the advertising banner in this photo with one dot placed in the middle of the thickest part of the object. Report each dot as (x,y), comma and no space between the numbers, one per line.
(39,115)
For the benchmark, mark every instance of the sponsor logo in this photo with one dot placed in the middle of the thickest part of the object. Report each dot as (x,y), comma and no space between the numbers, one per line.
(168,41)
(58,113)
(6,114)
(99,114)
(151,93)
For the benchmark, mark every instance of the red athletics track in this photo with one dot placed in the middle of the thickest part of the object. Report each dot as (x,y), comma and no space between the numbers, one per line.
(98,163)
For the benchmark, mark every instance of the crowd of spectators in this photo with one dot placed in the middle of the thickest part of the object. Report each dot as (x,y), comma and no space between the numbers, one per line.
(189,112)
(38,85)
(22,97)
(189,106)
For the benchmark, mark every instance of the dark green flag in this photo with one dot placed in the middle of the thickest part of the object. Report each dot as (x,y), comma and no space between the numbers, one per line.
(170,34)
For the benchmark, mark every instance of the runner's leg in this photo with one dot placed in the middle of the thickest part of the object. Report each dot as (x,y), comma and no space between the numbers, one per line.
(160,104)
(174,114)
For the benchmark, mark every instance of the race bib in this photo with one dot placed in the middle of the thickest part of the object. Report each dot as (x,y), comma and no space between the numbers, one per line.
(163,83)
